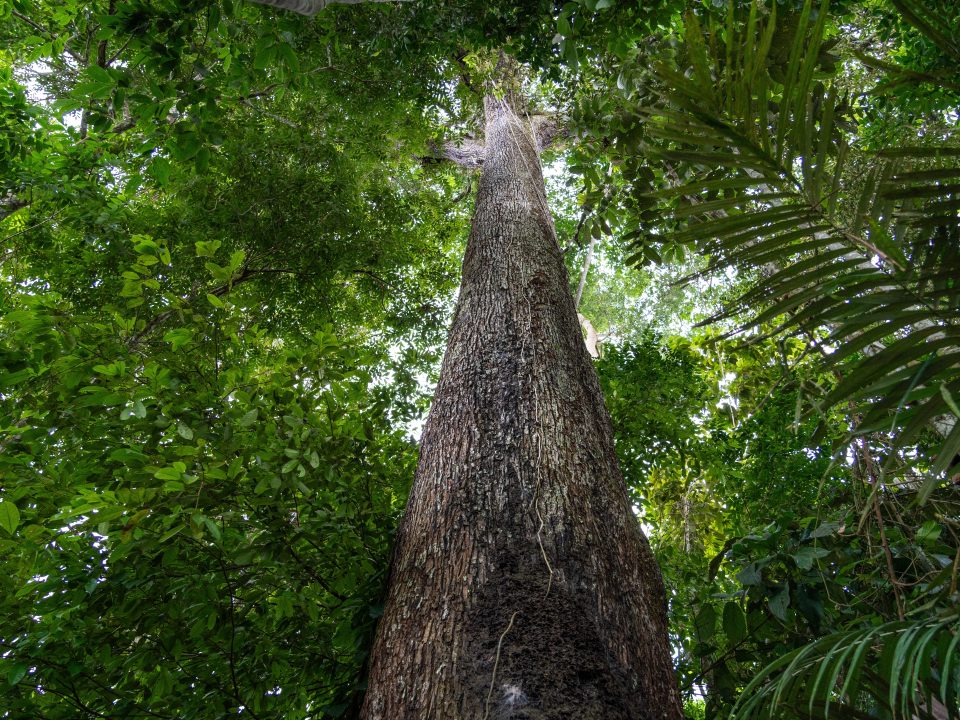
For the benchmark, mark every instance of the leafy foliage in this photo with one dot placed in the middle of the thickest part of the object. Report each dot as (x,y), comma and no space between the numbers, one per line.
(898,657)
(180,513)
(226,273)
(876,268)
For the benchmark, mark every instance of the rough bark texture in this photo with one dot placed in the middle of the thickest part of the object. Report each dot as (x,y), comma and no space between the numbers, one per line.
(522,586)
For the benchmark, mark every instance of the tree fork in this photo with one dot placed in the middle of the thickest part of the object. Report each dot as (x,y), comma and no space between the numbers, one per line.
(521,585)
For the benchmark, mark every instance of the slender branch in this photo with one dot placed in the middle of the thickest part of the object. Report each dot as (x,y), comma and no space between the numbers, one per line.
(47,34)
(575,242)
(261,93)
(245,274)
(231,656)
(36,26)
(123,47)
(35,225)
(376,278)
(588,261)
(317,578)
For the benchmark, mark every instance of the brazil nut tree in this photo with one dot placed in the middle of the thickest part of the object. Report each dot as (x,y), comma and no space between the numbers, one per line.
(521,585)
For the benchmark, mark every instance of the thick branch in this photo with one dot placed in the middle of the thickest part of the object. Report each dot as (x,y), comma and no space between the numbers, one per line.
(546,131)
(467,154)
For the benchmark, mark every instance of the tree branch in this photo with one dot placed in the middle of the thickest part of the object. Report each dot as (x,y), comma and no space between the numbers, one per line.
(587,262)
(278,118)
(468,154)
(546,131)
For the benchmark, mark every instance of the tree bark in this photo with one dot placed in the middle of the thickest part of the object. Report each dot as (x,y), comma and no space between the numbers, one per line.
(522,585)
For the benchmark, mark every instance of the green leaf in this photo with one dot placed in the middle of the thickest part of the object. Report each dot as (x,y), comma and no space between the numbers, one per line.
(806,556)
(706,622)
(160,170)
(264,53)
(96,83)
(178,337)
(289,57)
(778,603)
(825,529)
(734,623)
(201,161)
(9,516)
(750,575)
(212,527)
(186,145)
(16,673)
(168,473)
(949,400)
(207,248)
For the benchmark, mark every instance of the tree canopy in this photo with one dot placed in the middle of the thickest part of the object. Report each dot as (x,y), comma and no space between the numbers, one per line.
(230,248)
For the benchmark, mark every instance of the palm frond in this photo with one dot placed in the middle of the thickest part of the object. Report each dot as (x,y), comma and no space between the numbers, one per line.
(896,671)
(858,249)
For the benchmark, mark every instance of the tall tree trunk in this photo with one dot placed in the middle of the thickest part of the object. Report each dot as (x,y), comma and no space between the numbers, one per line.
(522,586)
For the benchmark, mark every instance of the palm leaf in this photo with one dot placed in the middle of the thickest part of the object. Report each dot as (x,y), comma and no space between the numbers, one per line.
(898,669)
(875,272)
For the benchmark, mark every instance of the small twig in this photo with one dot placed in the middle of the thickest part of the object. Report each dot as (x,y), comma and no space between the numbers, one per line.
(123,47)
(384,285)
(465,73)
(36,26)
(231,656)
(575,242)
(315,576)
(261,93)
(953,575)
